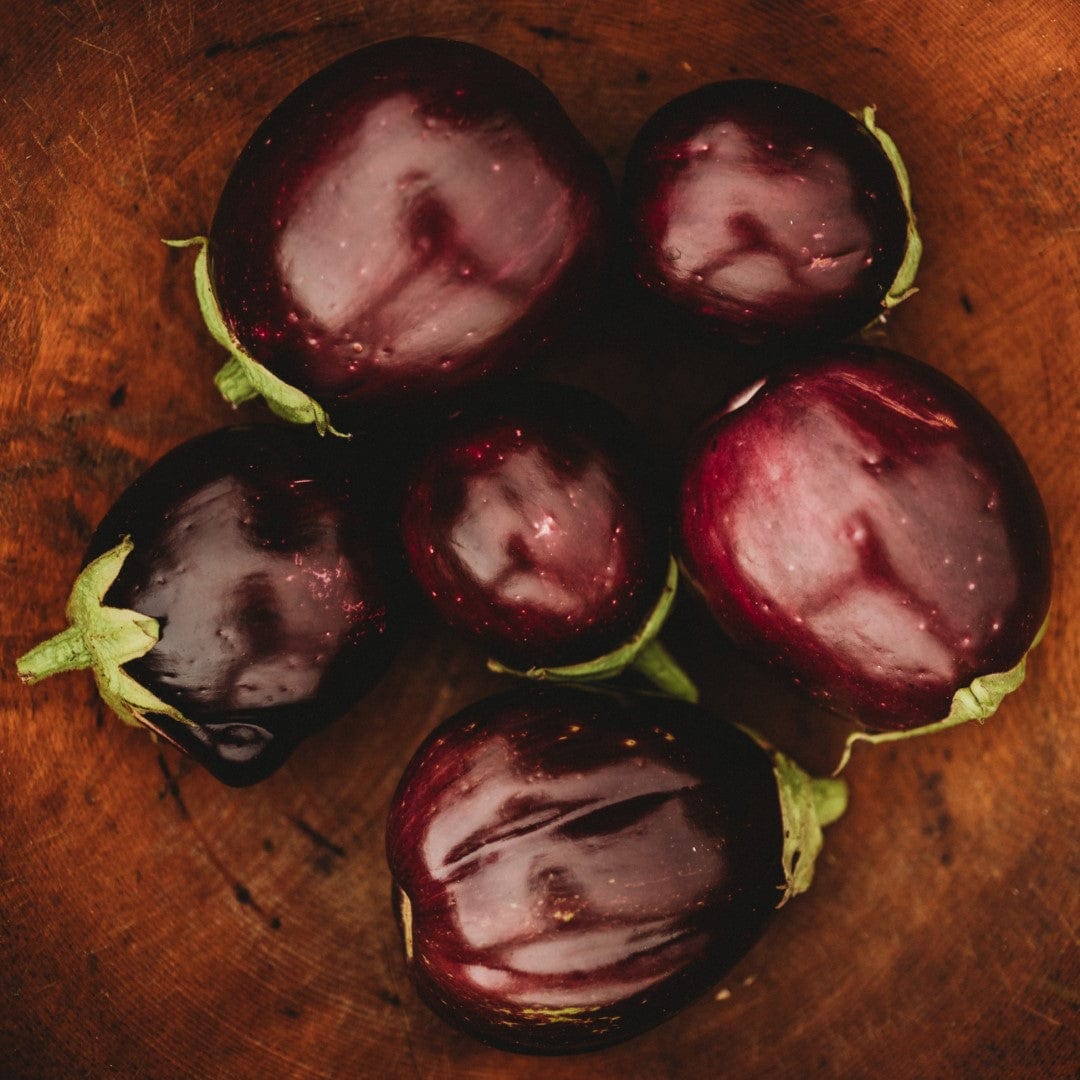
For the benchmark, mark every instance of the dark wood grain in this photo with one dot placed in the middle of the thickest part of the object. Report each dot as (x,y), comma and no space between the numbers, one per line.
(156,924)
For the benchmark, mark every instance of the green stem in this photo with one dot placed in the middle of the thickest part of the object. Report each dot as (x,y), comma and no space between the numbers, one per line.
(830,799)
(66,651)
(807,805)
(657,665)
(233,384)
(903,285)
(242,377)
(102,638)
(977,701)
(663,671)
(802,799)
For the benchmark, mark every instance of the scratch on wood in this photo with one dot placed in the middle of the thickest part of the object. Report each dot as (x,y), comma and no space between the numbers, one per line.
(172,787)
(167,21)
(1048,907)
(16,230)
(163,16)
(90,124)
(71,139)
(138,132)
(41,146)
(317,837)
(1040,1015)
(100,48)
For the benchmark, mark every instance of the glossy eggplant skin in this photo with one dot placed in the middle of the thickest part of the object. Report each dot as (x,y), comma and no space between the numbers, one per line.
(572,866)
(534,523)
(864,524)
(764,213)
(416,216)
(256,550)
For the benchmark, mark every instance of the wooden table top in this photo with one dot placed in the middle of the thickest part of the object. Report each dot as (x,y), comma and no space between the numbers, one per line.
(154,923)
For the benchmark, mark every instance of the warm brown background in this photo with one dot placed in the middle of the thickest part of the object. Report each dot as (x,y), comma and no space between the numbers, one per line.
(156,924)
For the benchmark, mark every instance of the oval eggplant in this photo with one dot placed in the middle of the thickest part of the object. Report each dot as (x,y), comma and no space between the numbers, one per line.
(535,523)
(571,866)
(768,214)
(417,216)
(237,597)
(861,522)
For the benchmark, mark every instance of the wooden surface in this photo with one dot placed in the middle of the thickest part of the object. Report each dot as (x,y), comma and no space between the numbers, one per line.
(156,924)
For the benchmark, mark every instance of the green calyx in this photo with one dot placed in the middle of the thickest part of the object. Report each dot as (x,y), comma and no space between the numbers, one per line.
(977,701)
(643,652)
(807,805)
(241,377)
(103,639)
(903,285)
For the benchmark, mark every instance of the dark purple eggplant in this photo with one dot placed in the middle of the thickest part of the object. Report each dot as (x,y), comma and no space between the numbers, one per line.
(572,866)
(237,597)
(416,217)
(537,524)
(768,214)
(862,523)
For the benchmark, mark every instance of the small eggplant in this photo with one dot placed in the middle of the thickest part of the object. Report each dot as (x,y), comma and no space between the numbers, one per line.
(237,597)
(571,866)
(416,217)
(768,214)
(535,523)
(860,522)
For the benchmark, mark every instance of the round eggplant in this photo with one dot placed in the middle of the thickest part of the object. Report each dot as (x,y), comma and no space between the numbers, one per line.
(571,866)
(535,523)
(768,214)
(236,597)
(416,217)
(861,522)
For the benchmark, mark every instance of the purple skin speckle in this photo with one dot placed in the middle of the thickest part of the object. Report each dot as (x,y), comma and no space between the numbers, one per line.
(764,212)
(571,867)
(416,216)
(534,524)
(861,522)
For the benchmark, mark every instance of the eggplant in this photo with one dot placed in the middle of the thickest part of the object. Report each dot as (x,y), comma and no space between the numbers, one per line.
(419,216)
(862,524)
(237,597)
(768,215)
(537,524)
(571,866)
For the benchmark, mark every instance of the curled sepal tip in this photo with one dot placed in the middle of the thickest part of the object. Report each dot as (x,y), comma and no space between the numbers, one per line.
(103,639)
(643,652)
(977,701)
(903,285)
(807,805)
(241,377)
